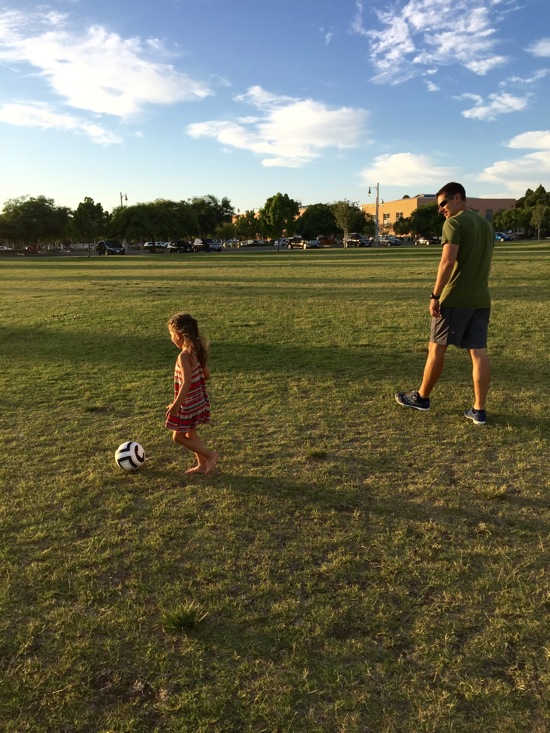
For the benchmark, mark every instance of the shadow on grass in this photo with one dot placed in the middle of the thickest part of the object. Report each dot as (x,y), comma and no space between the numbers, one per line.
(126,349)
(396,508)
(136,353)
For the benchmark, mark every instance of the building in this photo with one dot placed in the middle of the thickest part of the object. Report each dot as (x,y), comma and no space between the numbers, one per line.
(390,211)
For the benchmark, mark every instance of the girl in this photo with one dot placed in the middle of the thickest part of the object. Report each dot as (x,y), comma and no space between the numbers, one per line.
(190,407)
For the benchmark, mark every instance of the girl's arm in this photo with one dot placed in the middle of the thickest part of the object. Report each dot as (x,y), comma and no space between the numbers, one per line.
(184,362)
(206,371)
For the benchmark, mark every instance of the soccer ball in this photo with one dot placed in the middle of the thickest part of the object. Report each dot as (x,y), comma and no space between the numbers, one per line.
(130,455)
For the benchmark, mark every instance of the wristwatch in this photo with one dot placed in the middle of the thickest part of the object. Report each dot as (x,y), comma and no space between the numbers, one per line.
(435,297)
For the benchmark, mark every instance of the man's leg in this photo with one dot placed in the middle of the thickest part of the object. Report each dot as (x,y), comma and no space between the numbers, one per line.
(433,368)
(481,376)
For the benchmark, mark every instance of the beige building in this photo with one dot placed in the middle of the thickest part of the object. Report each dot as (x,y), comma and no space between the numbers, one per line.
(390,211)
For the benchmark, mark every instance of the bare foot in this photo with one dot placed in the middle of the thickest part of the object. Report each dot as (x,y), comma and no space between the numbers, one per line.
(211,462)
(197,469)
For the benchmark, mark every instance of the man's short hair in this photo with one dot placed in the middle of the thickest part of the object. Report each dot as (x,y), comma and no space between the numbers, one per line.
(451,189)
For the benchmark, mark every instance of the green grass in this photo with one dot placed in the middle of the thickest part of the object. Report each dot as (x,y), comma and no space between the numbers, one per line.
(350,567)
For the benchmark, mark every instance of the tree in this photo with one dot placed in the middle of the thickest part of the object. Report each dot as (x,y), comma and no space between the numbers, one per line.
(226,231)
(155,221)
(246,225)
(426,221)
(89,221)
(211,213)
(316,219)
(349,217)
(278,216)
(532,198)
(539,217)
(403,225)
(512,220)
(32,220)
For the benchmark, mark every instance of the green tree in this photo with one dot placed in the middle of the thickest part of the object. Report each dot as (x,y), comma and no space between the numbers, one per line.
(403,226)
(89,221)
(226,231)
(28,220)
(211,213)
(532,198)
(246,225)
(426,221)
(539,217)
(155,221)
(278,216)
(349,217)
(518,219)
(316,219)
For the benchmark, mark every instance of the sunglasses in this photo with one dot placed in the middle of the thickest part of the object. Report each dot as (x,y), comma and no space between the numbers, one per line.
(443,203)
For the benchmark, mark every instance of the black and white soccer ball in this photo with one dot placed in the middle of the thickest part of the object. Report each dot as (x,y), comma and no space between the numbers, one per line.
(130,455)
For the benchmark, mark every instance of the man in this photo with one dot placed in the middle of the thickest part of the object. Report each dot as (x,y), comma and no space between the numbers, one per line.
(460,302)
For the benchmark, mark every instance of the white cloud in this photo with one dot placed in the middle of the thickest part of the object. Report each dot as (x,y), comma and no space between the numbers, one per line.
(518,174)
(95,70)
(286,131)
(405,169)
(540,48)
(521,81)
(37,114)
(327,35)
(423,34)
(535,139)
(496,104)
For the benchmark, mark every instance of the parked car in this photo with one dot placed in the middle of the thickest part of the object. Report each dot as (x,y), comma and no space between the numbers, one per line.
(109,247)
(502,237)
(205,244)
(355,239)
(325,240)
(295,243)
(422,240)
(390,242)
(153,247)
(179,246)
(311,244)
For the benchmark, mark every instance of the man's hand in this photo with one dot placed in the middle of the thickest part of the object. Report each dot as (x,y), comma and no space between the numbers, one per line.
(435,310)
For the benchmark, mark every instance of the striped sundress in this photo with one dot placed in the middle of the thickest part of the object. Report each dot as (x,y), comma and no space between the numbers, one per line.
(195,409)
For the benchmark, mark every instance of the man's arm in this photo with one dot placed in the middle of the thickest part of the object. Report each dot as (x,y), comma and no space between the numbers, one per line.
(444,272)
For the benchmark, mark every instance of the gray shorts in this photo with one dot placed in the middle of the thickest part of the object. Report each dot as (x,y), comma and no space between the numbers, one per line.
(463,327)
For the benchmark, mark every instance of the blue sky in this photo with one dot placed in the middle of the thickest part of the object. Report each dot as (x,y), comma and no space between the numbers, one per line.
(319,99)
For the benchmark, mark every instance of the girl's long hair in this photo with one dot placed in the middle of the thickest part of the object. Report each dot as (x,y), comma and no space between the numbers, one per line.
(188,327)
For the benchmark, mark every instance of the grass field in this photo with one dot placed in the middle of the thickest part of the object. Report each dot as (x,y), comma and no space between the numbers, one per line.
(350,566)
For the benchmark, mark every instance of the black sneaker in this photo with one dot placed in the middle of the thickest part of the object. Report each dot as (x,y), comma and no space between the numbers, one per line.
(477,416)
(413,399)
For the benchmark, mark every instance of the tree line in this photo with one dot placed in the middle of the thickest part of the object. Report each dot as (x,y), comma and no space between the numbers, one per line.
(27,220)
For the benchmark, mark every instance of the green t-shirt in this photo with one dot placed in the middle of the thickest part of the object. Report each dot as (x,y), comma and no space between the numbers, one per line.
(468,286)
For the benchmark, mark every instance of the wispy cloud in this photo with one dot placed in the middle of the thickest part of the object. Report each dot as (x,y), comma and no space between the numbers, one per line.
(327,35)
(94,70)
(540,47)
(405,169)
(420,35)
(518,174)
(286,131)
(41,115)
(525,80)
(495,105)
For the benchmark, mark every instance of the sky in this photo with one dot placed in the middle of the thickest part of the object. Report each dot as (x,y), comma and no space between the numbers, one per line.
(129,102)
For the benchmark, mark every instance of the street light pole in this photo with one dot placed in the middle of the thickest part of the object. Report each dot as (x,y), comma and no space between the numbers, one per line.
(123,197)
(376,238)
